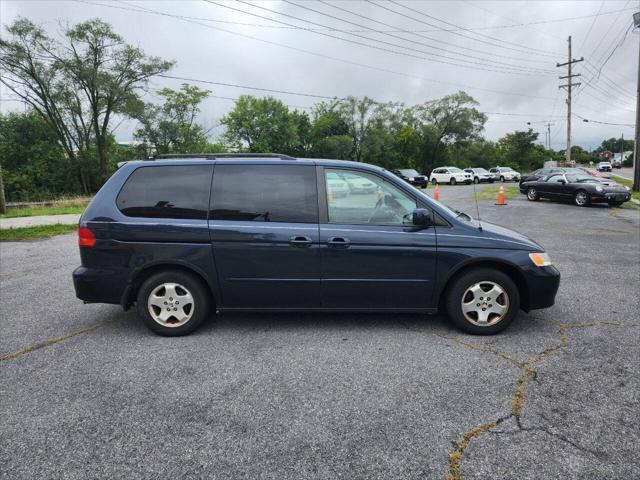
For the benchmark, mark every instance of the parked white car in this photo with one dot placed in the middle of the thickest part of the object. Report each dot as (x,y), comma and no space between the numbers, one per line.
(450,175)
(505,174)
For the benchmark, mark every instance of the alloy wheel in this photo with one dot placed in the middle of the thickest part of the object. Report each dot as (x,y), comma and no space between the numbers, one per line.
(170,305)
(485,303)
(532,194)
(582,199)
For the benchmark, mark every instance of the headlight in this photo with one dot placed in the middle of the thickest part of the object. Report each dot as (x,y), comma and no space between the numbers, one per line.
(411,179)
(540,259)
(628,189)
(599,188)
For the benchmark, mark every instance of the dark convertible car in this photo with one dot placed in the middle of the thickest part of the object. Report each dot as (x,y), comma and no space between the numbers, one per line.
(579,188)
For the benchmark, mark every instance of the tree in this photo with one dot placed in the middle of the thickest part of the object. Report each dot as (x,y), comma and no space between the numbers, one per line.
(452,119)
(357,114)
(34,165)
(171,126)
(520,151)
(77,84)
(263,125)
(614,144)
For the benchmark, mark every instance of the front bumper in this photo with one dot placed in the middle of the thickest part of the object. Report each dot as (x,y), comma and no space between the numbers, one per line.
(419,182)
(611,197)
(542,287)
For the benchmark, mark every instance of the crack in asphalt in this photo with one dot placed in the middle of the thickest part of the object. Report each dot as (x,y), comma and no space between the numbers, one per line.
(52,341)
(517,403)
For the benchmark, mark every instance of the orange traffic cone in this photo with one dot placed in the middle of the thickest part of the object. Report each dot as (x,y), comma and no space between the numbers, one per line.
(501,196)
(436,193)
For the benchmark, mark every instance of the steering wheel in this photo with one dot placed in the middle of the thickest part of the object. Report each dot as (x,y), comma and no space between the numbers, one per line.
(386,206)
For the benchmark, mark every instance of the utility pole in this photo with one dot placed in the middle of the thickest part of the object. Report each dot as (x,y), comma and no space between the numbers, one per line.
(636,143)
(549,136)
(568,86)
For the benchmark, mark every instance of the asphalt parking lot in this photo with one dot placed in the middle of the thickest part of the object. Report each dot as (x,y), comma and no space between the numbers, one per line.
(86,391)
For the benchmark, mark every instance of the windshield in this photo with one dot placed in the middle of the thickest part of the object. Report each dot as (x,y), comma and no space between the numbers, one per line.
(581,178)
(455,170)
(409,172)
(507,169)
(479,170)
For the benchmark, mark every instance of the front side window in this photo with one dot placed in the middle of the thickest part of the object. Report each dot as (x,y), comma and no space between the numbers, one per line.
(555,178)
(265,193)
(167,192)
(366,200)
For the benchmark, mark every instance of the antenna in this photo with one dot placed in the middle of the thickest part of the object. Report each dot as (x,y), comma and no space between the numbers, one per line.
(475,197)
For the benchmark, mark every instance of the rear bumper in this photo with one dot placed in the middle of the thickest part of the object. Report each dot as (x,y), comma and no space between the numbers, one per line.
(542,287)
(100,286)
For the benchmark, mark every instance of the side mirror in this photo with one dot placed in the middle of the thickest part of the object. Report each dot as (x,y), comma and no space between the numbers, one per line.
(562,182)
(421,217)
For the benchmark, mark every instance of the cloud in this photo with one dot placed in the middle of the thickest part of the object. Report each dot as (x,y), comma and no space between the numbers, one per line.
(423,52)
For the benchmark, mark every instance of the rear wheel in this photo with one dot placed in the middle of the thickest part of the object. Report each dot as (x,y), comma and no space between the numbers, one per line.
(532,194)
(483,301)
(434,181)
(173,303)
(581,198)
(452,181)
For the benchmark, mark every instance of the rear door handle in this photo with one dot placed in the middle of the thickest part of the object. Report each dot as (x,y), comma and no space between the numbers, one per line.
(338,242)
(300,241)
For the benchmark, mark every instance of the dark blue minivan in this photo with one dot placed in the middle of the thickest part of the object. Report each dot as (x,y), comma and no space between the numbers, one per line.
(181,237)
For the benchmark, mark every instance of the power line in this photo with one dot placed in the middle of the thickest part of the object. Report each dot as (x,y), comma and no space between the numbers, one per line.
(588,120)
(520,48)
(591,26)
(480,65)
(412,33)
(329,57)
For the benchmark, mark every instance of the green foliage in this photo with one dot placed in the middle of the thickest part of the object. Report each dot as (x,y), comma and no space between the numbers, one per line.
(34,165)
(614,144)
(79,85)
(265,125)
(171,127)
(520,151)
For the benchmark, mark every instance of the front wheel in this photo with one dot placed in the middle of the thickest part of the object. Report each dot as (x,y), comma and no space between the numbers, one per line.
(483,301)
(434,181)
(476,180)
(532,194)
(173,303)
(452,181)
(581,198)
(501,179)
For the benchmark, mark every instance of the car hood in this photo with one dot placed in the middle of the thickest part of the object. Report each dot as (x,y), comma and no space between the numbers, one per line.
(507,238)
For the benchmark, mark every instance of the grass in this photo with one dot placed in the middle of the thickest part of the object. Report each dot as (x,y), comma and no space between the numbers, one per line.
(40,231)
(60,207)
(491,193)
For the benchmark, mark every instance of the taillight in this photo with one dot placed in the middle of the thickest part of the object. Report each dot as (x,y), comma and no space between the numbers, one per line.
(86,238)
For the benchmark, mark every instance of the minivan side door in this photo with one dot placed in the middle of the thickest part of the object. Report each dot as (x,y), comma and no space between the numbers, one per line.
(264,234)
(371,255)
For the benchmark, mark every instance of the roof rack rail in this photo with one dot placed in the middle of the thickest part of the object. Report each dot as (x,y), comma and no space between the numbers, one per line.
(213,156)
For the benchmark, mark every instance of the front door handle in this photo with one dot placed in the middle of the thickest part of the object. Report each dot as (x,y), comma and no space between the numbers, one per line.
(300,241)
(338,242)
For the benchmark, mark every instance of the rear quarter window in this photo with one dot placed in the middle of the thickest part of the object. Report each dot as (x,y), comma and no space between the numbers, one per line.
(167,192)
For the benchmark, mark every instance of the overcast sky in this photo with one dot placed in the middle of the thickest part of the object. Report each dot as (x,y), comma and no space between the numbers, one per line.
(502,53)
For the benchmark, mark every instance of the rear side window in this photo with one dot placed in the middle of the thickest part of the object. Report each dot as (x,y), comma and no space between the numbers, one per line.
(265,193)
(167,192)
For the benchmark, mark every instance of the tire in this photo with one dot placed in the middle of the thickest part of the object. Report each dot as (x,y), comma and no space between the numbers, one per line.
(452,181)
(434,181)
(501,179)
(581,198)
(160,285)
(482,280)
(615,204)
(476,180)
(532,194)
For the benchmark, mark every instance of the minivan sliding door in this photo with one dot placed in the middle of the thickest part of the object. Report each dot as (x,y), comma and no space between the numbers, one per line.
(264,234)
